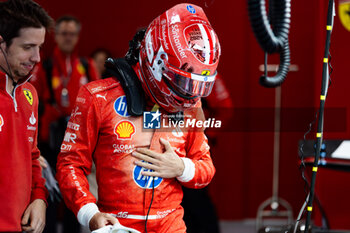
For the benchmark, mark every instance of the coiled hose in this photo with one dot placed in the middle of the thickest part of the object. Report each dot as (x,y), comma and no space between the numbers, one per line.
(273,38)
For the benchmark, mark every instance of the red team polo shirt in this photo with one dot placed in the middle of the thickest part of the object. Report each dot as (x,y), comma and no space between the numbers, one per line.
(20,171)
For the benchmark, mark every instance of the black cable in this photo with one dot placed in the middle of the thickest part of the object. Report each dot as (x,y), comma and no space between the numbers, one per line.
(302,167)
(149,208)
(330,69)
(319,136)
(265,64)
(9,73)
(282,72)
(272,34)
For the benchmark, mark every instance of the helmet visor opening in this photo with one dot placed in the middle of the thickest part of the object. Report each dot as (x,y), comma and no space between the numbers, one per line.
(189,84)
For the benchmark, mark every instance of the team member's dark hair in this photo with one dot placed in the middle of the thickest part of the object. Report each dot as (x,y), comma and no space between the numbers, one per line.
(18,14)
(68,18)
(100,50)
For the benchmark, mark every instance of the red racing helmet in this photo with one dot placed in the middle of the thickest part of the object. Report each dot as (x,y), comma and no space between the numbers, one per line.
(178,57)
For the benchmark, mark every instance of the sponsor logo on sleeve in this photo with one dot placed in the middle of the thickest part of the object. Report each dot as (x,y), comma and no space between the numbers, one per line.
(73,126)
(124,130)
(66,147)
(102,96)
(28,95)
(97,89)
(70,137)
(29,127)
(76,181)
(120,106)
(32,119)
(80,100)
(75,112)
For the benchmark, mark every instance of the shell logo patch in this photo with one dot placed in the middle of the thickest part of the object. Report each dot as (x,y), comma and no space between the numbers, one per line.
(1,122)
(124,130)
(344,13)
(28,96)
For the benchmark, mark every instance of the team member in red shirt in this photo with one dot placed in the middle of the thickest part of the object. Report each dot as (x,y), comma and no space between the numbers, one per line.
(140,171)
(57,80)
(23,24)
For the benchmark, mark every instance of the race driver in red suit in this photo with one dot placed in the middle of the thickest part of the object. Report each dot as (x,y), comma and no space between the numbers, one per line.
(140,171)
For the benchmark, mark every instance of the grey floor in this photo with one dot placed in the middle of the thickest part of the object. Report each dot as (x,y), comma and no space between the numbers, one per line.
(244,226)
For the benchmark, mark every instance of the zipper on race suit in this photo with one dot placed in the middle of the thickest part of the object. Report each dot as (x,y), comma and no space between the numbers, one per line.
(14,92)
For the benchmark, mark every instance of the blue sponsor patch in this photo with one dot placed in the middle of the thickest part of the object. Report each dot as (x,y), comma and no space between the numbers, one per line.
(191,9)
(120,106)
(145,182)
(151,120)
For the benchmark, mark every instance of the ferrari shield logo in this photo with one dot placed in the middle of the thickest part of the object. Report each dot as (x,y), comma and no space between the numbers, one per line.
(344,13)
(206,72)
(29,96)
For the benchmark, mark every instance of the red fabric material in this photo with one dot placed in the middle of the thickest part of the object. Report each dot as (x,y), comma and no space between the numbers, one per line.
(171,223)
(91,135)
(20,171)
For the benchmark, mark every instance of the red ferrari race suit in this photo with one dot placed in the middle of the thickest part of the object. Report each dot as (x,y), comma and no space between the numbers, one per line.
(20,172)
(101,130)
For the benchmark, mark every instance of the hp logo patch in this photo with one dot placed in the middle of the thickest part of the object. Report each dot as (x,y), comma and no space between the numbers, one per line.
(151,120)
(120,106)
(145,182)
(191,9)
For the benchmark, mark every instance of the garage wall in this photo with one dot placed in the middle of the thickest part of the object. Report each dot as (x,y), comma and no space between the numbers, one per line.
(243,155)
